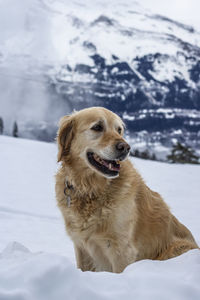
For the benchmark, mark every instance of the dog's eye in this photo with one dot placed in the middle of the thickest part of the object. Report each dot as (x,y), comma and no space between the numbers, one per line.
(119,130)
(97,127)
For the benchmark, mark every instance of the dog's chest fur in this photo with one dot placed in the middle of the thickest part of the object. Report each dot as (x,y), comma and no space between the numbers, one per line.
(99,215)
(91,216)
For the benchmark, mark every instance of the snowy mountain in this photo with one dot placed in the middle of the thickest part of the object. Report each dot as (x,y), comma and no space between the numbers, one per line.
(142,65)
(36,256)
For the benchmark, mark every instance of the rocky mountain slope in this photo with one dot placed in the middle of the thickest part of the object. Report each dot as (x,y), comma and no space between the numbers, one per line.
(143,66)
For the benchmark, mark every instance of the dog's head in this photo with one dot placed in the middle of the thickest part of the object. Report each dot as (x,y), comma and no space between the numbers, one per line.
(93,137)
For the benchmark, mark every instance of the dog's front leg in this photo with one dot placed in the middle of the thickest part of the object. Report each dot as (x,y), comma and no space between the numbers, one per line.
(119,264)
(83,259)
(121,258)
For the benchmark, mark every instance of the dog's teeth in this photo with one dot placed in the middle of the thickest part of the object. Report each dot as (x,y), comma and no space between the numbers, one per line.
(110,166)
(117,161)
(96,157)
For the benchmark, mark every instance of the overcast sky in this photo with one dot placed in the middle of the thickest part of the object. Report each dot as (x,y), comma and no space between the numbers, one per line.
(187,11)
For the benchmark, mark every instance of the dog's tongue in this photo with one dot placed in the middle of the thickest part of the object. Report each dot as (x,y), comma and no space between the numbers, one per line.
(111,165)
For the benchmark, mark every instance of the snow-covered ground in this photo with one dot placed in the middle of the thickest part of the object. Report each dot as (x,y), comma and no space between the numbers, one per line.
(37,259)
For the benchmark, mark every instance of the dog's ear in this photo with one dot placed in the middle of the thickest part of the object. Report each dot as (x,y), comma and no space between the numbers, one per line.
(65,135)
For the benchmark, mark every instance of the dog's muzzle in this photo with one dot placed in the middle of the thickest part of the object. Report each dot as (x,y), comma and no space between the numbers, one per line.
(110,168)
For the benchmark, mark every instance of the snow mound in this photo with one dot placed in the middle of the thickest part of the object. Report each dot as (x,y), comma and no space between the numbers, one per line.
(14,247)
(49,276)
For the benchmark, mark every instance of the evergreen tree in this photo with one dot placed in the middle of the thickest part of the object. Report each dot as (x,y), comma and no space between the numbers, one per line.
(145,154)
(183,154)
(1,125)
(153,157)
(15,129)
(136,153)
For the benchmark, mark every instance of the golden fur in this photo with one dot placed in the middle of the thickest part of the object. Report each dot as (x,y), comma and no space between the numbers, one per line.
(112,222)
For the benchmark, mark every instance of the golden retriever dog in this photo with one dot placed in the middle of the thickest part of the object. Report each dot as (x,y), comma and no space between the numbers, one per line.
(111,215)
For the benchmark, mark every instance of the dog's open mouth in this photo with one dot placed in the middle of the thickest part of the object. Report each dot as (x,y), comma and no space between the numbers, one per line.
(107,167)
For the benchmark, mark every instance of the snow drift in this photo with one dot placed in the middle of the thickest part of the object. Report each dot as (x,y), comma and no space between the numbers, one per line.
(26,275)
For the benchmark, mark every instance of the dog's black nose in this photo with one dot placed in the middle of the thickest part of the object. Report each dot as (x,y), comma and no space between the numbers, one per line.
(123,147)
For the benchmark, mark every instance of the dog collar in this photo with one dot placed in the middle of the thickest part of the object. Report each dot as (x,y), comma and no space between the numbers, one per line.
(68,187)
